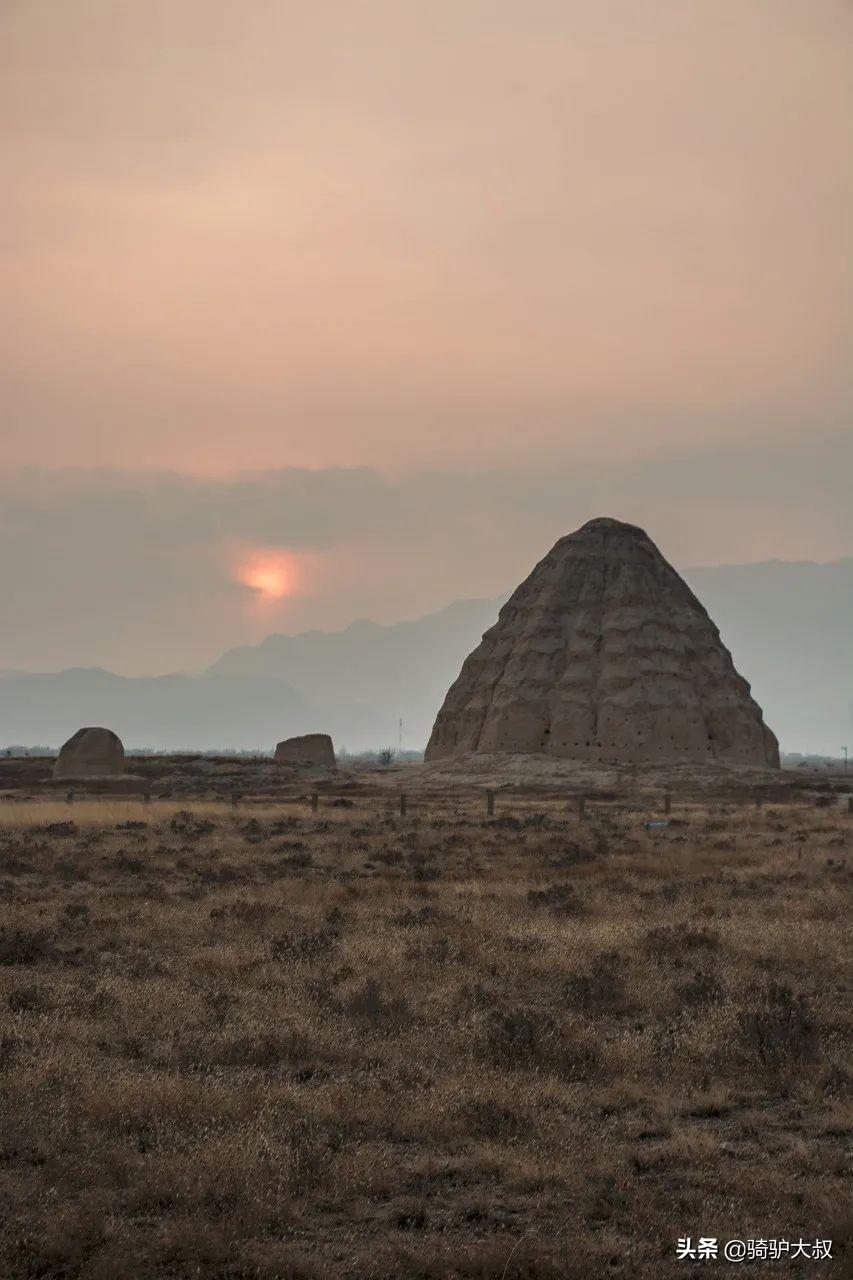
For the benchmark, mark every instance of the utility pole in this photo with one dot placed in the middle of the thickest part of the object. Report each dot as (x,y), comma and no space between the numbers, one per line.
(400,738)
(844,749)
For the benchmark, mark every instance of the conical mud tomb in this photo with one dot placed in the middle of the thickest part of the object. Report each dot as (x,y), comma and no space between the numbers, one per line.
(604,654)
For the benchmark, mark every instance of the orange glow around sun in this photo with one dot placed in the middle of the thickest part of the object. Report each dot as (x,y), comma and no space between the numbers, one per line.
(270,574)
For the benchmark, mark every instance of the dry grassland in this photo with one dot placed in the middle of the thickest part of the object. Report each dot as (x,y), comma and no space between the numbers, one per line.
(243,1045)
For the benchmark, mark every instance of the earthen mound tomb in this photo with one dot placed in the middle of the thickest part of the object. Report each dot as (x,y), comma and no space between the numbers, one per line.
(311,749)
(605,654)
(90,753)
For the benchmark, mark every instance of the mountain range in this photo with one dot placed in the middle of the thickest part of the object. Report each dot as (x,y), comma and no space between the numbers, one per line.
(788,626)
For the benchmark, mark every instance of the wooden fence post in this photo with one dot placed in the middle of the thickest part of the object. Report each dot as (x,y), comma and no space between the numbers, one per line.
(581,805)
(402,804)
(69,799)
(490,804)
(667,803)
(315,801)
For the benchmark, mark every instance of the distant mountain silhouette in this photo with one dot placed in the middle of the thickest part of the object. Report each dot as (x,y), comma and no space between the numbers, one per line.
(369,674)
(355,684)
(173,711)
(789,627)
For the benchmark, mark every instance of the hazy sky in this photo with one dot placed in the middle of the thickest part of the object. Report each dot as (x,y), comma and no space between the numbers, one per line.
(445,277)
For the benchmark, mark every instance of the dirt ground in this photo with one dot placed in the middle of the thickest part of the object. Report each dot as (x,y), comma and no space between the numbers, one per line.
(259,1041)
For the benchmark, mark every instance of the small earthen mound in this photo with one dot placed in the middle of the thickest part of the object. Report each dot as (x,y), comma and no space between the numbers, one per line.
(90,753)
(311,750)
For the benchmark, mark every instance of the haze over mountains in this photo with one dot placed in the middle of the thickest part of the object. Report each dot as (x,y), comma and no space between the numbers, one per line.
(788,625)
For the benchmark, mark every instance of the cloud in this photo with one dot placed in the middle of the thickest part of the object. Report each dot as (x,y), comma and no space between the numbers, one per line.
(420,235)
(136,571)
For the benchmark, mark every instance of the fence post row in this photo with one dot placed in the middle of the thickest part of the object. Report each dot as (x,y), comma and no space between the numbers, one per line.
(580,800)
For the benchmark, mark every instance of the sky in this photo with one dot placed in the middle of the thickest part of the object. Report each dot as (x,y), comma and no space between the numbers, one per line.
(329,310)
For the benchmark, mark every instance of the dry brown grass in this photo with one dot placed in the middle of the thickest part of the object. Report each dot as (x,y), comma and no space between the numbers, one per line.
(274,1044)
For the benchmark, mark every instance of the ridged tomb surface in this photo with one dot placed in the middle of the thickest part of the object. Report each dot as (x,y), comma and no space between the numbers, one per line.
(604,653)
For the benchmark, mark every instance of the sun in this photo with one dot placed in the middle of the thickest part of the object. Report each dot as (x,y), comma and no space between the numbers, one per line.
(271,583)
(269,574)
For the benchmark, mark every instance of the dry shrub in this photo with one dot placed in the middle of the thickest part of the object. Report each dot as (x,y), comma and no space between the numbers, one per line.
(370,1005)
(30,998)
(675,943)
(703,988)
(559,899)
(598,990)
(309,945)
(25,945)
(779,1030)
